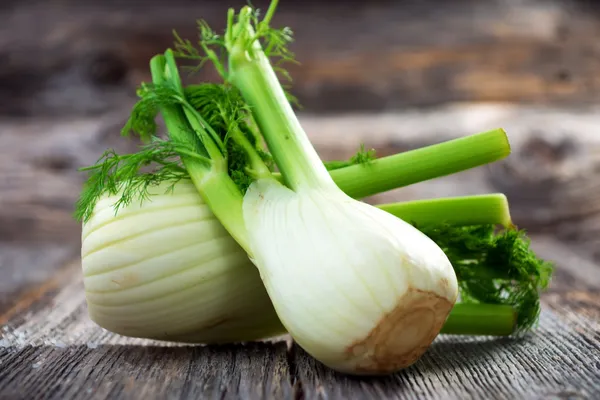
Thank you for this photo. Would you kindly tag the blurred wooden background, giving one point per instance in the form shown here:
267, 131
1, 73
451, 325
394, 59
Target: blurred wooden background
394, 75
85, 57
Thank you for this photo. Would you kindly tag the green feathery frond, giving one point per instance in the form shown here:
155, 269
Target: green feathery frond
131, 175
495, 267
361, 157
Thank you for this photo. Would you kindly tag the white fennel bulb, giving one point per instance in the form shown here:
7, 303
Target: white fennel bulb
168, 270
359, 289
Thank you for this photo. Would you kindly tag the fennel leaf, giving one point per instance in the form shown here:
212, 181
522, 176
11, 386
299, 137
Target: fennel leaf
221, 107
362, 156
495, 268
212, 47
125, 175
142, 120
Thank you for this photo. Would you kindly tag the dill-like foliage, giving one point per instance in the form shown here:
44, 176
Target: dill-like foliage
495, 267
223, 107
127, 176
362, 156
275, 41
213, 47
211, 44
142, 120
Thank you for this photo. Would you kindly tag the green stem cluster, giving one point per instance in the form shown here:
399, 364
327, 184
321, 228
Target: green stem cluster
251, 72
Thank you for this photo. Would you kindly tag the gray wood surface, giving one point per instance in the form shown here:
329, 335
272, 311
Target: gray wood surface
49, 349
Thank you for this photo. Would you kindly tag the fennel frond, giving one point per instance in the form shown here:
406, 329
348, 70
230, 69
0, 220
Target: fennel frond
495, 267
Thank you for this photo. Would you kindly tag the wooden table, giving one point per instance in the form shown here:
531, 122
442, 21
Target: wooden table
50, 349
443, 70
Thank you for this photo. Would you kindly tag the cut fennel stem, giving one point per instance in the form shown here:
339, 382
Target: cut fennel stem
168, 270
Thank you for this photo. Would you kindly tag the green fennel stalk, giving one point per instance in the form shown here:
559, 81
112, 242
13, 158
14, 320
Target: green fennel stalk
423, 164
486, 209
362, 175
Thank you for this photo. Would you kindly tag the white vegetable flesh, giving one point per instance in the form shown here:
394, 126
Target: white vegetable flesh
168, 270
359, 289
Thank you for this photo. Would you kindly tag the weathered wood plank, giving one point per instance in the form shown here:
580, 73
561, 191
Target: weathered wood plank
51, 350
253, 371
39, 180
574, 261
18, 263
87, 56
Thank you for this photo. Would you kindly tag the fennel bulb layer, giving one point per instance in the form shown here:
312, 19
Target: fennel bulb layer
359, 289
168, 270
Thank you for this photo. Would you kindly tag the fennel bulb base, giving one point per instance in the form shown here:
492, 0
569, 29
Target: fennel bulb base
402, 336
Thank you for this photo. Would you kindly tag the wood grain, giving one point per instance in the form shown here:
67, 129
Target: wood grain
86, 57
145, 372
39, 179
28, 274
51, 350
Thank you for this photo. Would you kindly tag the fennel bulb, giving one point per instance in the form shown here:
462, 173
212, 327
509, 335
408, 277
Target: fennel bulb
168, 270
359, 289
